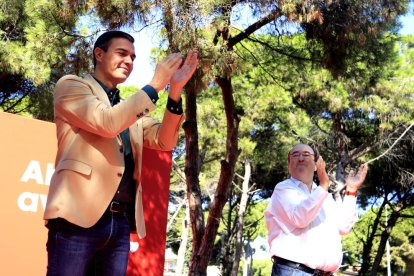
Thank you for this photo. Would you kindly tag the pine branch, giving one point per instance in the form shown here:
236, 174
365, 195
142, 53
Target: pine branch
389, 149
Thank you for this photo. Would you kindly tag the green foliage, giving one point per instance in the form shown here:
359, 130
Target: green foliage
254, 221
401, 248
262, 267
254, 225
35, 38
41, 103
401, 242
349, 31
32, 40
128, 90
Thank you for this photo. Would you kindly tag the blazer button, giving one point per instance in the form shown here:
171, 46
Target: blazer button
119, 174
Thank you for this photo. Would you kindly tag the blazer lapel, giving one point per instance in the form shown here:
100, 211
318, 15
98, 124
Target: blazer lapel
97, 89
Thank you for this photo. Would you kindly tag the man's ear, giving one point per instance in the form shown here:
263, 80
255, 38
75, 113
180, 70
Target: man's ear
98, 54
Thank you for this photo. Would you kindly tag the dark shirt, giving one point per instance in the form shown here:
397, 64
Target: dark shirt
127, 186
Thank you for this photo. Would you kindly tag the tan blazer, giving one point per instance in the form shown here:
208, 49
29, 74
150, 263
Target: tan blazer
89, 162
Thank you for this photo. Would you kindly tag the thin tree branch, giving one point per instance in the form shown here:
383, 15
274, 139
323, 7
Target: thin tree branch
252, 28
171, 220
395, 142
278, 50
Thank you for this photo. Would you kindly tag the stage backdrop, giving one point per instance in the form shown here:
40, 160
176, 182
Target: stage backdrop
27, 157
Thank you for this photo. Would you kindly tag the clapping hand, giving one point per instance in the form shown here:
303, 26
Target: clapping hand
170, 70
354, 181
183, 74
322, 174
165, 70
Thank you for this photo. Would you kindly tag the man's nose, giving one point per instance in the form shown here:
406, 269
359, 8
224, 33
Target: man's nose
301, 158
129, 60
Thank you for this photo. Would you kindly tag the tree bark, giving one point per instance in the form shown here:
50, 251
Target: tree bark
248, 253
227, 239
370, 241
384, 237
183, 244
201, 257
192, 172
240, 220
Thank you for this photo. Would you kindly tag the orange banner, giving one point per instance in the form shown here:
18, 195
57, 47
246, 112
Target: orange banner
26, 166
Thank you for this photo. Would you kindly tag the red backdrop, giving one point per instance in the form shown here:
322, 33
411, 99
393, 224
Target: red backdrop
148, 260
27, 157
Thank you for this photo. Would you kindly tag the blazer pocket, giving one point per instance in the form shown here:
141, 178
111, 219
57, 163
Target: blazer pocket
74, 165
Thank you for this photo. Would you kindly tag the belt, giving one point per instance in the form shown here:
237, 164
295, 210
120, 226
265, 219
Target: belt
117, 207
301, 267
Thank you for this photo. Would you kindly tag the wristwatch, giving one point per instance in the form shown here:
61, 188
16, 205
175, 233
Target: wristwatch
351, 193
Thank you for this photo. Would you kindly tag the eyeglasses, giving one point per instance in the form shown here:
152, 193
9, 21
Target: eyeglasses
305, 155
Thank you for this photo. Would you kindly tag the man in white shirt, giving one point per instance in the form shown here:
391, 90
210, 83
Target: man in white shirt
305, 223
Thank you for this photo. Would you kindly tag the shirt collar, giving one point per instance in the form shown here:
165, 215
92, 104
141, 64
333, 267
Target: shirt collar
301, 184
113, 94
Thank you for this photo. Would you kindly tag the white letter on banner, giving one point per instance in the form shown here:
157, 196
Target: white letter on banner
32, 207
32, 172
50, 169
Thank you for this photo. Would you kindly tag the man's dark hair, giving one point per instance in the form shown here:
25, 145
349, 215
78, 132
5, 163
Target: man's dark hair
105, 38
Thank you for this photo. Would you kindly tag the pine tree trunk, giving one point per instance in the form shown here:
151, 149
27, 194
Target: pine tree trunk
183, 244
366, 252
384, 237
248, 259
192, 173
226, 241
240, 220
202, 253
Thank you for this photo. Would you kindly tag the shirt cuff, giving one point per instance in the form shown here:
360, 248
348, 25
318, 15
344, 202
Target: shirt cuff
151, 92
174, 107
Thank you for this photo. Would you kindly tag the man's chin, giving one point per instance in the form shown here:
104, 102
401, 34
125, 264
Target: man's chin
121, 79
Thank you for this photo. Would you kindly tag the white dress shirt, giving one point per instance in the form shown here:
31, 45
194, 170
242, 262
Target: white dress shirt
306, 227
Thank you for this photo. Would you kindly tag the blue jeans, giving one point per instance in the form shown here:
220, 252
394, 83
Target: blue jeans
102, 249
283, 270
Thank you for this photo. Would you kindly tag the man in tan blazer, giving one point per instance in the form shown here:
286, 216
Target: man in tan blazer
96, 183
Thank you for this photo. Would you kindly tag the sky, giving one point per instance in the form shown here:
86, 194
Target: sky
143, 71
407, 24
146, 39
